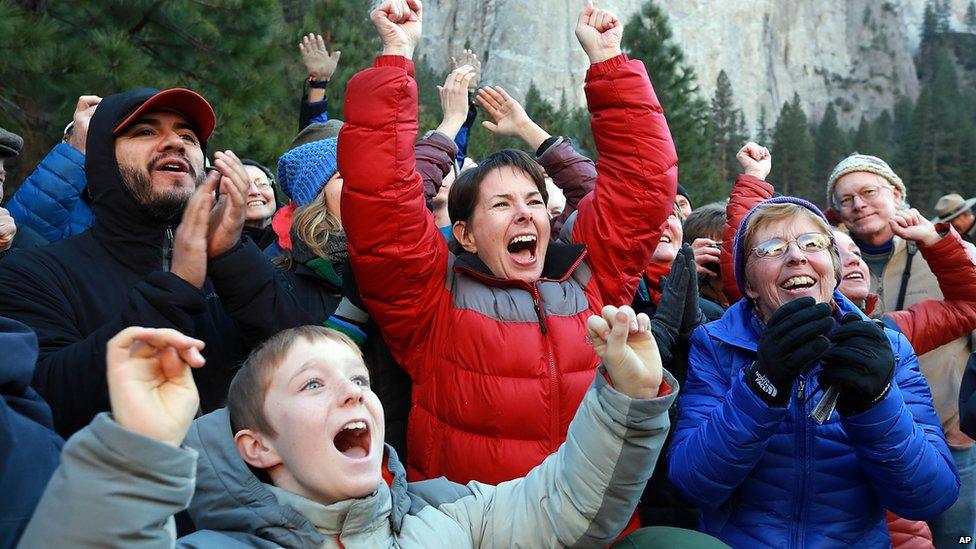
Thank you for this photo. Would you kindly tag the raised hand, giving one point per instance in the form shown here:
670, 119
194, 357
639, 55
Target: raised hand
79, 122
150, 384
190, 241
755, 160
319, 63
624, 343
468, 57
911, 225
227, 218
454, 99
399, 24
509, 117
599, 32
8, 228
508, 114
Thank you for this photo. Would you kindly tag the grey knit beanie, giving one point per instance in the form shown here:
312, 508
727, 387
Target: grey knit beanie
864, 163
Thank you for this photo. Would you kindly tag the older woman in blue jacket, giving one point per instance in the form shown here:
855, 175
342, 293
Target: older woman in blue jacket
746, 448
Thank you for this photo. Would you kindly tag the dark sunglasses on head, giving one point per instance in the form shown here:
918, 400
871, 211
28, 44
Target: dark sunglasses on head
807, 242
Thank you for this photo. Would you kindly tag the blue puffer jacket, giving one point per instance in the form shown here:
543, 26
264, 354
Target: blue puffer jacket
50, 199
771, 477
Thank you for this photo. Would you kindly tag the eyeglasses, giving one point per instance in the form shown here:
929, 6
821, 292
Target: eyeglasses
867, 194
809, 243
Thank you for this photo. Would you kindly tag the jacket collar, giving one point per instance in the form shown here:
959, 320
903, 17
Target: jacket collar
561, 260
230, 498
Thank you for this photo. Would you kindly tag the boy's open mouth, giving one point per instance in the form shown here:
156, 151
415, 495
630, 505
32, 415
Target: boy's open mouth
353, 440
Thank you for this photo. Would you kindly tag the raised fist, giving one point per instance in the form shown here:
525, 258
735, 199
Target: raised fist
399, 24
599, 32
755, 160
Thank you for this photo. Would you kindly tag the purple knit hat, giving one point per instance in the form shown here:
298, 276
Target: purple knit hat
738, 246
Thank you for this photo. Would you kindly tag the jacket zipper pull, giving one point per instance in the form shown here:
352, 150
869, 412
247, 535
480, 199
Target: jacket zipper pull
799, 390
167, 249
538, 309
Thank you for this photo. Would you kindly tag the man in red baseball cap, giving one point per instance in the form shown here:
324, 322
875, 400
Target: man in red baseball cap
162, 252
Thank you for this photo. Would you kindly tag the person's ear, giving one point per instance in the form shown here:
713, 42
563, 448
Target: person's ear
462, 234
896, 192
256, 450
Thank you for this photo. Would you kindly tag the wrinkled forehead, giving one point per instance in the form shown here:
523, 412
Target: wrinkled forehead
786, 228
854, 182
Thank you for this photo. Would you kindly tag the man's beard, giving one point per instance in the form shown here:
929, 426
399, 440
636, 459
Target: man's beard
163, 206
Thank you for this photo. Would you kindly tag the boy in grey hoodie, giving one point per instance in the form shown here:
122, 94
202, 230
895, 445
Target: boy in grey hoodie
302, 417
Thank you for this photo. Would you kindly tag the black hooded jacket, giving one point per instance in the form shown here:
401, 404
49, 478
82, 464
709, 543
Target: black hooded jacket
78, 293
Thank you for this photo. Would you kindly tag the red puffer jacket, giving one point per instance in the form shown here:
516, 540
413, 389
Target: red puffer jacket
499, 366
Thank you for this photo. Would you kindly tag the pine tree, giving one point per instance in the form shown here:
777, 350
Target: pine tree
230, 51
863, 139
943, 16
830, 145
970, 18
728, 129
647, 36
792, 152
762, 128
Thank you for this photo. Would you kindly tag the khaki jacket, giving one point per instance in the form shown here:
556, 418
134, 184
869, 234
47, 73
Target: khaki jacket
944, 366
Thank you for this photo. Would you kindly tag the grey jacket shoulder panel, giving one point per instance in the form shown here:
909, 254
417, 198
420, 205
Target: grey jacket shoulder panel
229, 498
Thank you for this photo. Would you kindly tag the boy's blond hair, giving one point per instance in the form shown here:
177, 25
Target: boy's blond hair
248, 389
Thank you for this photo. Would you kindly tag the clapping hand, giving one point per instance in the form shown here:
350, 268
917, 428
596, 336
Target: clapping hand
150, 383
624, 343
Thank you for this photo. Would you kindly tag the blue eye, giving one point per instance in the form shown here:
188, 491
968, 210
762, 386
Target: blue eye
312, 384
361, 381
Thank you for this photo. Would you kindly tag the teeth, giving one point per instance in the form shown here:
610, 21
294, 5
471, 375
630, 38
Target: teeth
665, 239
525, 238
256, 203
853, 276
797, 281
355, 425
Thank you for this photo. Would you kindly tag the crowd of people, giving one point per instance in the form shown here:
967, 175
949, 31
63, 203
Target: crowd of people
386, 342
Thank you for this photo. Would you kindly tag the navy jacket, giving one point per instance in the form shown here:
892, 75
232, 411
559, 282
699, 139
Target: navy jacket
29, 448
78, 293
771, 477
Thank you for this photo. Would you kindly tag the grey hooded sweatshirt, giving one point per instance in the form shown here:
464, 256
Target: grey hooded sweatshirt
118, 488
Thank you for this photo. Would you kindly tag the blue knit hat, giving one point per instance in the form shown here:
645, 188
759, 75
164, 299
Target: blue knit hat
303, 171
738, 247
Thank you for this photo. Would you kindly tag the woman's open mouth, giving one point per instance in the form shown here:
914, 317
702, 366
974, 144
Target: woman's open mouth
522, 248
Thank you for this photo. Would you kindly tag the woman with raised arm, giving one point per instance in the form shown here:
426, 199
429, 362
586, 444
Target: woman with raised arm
478, 329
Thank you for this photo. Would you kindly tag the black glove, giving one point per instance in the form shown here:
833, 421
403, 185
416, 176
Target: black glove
859, 364
667, 323
693, 316
794, 338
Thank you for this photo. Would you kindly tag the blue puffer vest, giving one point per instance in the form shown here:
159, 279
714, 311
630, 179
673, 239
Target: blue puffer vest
772, 477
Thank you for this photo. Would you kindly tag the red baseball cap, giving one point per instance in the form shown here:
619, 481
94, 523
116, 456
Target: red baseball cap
188, 103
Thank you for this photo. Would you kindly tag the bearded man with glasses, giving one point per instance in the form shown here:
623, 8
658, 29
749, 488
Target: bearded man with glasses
866, 192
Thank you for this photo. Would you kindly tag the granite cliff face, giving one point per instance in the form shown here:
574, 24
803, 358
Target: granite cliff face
857, 53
